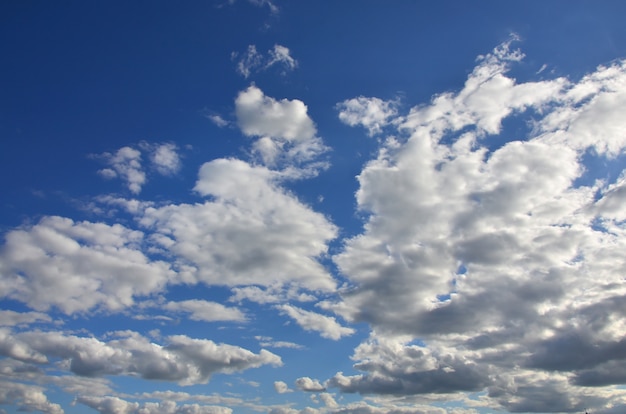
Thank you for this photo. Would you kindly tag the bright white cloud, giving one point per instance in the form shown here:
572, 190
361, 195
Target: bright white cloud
165, 159
252, 233
286, 134
496, 258
327, 326
261, 115
371, 113
125, 164
77, 266
202, 310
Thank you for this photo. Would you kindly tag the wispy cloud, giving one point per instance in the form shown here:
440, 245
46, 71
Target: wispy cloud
252, 61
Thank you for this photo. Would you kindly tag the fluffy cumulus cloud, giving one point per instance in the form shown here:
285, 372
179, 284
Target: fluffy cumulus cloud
496, 257
309, 384
27, 398
371, 113
180, 359
165, 158
125, 163
281, 387
251, 233
78, 266
285, 133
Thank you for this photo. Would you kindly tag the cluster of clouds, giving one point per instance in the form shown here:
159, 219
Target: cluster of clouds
182, 359
495, 256
488, 263
126, 163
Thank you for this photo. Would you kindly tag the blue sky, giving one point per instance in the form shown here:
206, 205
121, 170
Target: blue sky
261, 206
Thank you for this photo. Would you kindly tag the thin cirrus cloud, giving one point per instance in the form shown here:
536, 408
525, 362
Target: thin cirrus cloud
252, 61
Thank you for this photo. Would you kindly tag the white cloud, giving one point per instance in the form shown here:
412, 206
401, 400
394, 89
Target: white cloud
165, 158
217, 119
202, 310
281, 387
11, 318
327, 326
181, 359
261, 115
252, 61
126, 164
371, 113
252, 233
286, 134
27, 397
589, 114
309, 384
115, 405
77, 266
506, 268
281, 55
328, 400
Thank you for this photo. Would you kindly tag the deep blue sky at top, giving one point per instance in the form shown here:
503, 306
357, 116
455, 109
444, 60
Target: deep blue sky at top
81, 78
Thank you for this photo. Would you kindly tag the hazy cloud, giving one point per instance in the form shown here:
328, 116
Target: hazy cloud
327, 326
252, 61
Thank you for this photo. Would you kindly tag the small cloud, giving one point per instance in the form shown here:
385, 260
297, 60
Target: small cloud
248, 62
202, 310
309, 385
541, 69
165, 158
260, 3
217, 119
327, 326
280, 55
372, 113
281, 387
125, 163
252, 61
